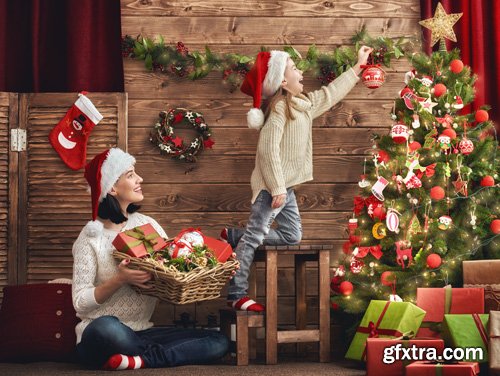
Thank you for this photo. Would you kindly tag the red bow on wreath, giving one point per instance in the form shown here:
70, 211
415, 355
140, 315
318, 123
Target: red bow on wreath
360, 203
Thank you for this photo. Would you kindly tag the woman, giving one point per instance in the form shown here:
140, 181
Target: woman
115, 331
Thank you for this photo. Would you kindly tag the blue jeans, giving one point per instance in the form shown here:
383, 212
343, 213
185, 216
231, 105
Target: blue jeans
158, 347
259, 231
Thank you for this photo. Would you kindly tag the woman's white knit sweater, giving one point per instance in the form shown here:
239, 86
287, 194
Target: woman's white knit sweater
94, 264
284, 150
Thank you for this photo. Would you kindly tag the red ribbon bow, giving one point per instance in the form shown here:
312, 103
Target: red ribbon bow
429, 171
375, 250
360, 203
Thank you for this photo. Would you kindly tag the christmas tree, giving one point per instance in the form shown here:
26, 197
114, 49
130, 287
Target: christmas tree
429, 195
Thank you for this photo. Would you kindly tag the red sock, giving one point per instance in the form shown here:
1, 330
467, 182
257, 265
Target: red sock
69, 137
119, 362
247, 304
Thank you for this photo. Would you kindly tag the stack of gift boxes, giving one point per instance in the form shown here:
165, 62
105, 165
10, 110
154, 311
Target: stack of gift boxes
392, 335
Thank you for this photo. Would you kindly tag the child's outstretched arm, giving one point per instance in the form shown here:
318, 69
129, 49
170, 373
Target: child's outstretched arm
326, 97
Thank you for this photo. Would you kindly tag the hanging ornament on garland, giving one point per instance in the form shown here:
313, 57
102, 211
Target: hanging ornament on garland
416, 121
409, 97
438, 90
363, 183
459, 103
487, 181
460, 186
373, 76
399, 133
437, 193
445, 222
414, 226
444, 143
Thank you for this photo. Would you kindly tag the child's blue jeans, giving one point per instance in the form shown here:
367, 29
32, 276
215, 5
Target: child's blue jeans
259, 231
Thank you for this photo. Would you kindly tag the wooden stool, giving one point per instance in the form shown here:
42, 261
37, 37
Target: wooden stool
243, 320
302, 253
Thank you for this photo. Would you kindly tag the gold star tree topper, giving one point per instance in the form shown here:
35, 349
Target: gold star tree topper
441, 25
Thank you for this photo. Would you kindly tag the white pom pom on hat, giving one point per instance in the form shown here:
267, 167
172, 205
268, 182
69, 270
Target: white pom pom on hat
263, 80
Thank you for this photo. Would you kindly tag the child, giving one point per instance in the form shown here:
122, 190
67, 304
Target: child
284, 156
115, 332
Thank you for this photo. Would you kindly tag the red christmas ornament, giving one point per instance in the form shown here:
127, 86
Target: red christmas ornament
379, 212
414, 146
335, 306
456, 66
383, 156
433, 261
466, 146
487, 181
373, 76
450, 133
346, 288
387, 278
437, 193
335, 284
481, 116
399, 133
439, 89
495, 226
356, 265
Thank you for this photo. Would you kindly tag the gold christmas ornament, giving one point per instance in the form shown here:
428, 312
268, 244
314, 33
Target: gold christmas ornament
441, 25
379, 231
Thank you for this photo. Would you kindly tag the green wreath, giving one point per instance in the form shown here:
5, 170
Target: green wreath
163, 135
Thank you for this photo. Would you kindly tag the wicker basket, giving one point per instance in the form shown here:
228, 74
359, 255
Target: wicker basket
178, 287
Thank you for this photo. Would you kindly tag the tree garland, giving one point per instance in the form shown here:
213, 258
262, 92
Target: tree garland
179, 61
163, 135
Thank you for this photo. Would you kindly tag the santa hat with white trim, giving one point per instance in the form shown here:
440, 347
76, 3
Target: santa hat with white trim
262, 81
102, 173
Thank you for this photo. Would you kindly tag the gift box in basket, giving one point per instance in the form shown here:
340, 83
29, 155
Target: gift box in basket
139, 241
384, 319
437, 302
188, 269
485, 274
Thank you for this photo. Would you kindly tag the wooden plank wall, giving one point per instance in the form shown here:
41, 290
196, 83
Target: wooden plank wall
5, 255
215, 192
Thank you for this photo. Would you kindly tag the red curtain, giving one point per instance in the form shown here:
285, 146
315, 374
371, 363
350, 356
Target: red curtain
478, 38
60, 46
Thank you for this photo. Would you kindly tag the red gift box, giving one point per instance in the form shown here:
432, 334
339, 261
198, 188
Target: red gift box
139, 241
378, 351
222, 250
422, 368
437, 302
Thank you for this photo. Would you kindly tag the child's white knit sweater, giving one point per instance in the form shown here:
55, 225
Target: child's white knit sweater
284, 151
93, 265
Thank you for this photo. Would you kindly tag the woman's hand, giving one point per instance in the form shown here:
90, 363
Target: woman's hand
278, 201
363, 54
137, 278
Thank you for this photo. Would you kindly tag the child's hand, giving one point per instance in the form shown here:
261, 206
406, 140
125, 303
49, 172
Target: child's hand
363, 54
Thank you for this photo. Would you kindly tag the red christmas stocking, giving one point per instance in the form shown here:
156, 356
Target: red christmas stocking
69, 137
